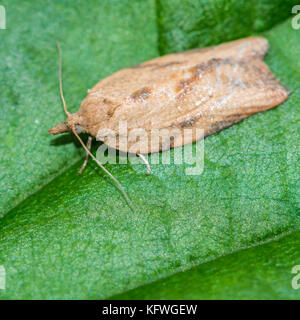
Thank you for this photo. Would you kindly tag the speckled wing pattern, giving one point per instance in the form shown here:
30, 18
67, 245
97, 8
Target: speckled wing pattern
210, 89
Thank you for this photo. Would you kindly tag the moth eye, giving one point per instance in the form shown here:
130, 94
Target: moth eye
78, 128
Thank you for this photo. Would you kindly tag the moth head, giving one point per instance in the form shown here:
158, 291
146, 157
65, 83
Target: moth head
61, 127
66, 126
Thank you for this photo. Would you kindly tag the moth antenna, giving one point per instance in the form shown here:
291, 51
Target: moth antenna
143, 158
103, 168
60, 78
78, 137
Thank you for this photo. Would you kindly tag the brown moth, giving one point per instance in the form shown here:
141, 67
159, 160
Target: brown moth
210, 88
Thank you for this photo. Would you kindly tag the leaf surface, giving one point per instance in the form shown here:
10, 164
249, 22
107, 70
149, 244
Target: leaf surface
68, 236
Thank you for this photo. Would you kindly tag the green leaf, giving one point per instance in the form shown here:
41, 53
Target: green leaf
69, 236
262, 272
97, 40
185, 24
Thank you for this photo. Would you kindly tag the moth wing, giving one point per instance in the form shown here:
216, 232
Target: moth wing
208, 89
223, 93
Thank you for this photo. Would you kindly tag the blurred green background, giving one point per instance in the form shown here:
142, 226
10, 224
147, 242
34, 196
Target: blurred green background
64, 236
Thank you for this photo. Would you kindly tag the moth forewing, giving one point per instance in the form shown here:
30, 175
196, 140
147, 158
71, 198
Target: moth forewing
210, 89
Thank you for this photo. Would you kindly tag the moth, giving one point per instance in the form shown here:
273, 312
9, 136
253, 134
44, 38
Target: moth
210, 88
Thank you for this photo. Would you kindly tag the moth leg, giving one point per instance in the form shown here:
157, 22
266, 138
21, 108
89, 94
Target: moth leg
88, 145
143, 158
